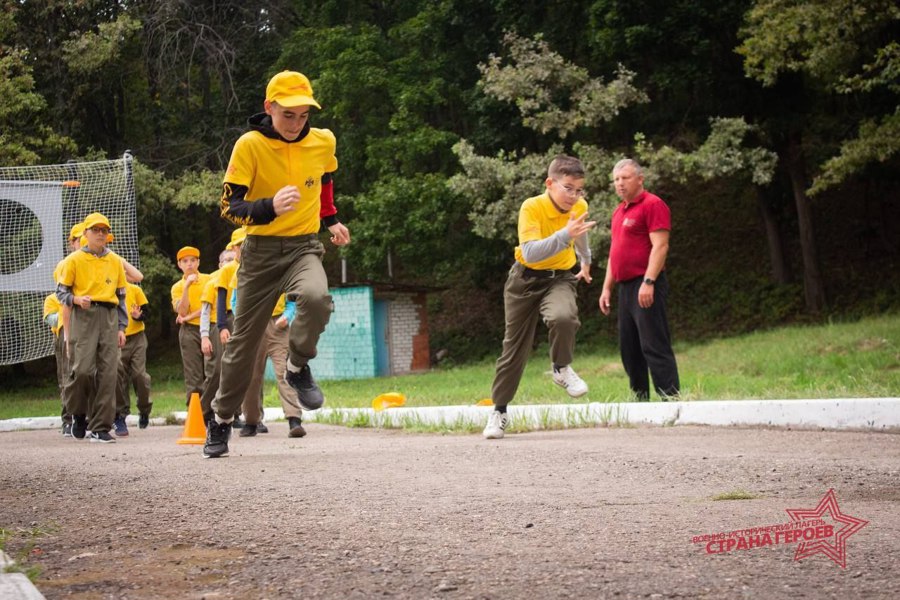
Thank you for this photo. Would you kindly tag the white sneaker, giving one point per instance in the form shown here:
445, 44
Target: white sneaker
497, 422
567, 378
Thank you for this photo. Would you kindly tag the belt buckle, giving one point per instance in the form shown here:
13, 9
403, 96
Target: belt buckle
552, 273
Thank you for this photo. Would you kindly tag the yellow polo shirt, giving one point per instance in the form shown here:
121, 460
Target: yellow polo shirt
51, 306
194, 294
210, 292
539, 219
90, 275
134, 298
266, 165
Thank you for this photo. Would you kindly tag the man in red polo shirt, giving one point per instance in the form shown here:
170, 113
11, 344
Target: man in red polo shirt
637, 259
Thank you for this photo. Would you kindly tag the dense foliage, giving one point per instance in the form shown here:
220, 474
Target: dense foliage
770, 126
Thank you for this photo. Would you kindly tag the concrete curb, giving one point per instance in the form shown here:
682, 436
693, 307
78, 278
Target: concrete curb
15, 586
874, 414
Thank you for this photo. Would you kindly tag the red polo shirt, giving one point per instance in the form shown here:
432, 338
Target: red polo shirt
632, 223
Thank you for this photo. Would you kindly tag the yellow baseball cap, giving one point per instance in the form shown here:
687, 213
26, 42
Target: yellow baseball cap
77, 231
290, 89
94, 219
237, 237
188, 251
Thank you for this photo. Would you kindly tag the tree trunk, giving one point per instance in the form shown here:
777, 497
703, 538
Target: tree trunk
813, 287
781, 268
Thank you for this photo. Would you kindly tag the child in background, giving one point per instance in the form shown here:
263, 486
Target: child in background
133, 363
91, 283
186, 293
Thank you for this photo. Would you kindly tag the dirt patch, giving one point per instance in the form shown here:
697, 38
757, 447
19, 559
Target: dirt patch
361, 513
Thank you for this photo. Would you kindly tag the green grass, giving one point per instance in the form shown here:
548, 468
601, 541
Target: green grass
736, 495
836, 360
20, 544
411, 422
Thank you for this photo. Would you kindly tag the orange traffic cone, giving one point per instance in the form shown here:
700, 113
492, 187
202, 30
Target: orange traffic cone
194, 427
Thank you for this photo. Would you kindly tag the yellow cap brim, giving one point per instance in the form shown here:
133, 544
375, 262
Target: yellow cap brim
295, 101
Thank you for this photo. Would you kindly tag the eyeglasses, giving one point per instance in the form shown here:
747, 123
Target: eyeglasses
99, 229
570, 190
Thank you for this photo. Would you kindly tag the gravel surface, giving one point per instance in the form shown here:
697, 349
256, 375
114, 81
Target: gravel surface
347, 513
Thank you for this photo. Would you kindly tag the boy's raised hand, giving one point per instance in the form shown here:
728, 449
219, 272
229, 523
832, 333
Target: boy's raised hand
579, 225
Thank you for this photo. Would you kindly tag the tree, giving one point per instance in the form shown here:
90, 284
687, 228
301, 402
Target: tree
849, 48
816, 48
556, 96
25, 138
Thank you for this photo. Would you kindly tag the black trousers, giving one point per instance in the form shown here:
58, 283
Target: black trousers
644, 340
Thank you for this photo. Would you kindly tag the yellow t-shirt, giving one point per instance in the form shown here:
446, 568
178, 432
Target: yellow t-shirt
227, 279
266, 165
539, 219
210, 293
90, 275
194, 294
134, 297
51, 306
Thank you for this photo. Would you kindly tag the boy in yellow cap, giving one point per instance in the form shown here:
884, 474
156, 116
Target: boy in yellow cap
91, 283
133, 363
54, 316
279, 185
186, 299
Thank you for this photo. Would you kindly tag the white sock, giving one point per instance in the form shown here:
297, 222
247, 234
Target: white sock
222, 421
291, 367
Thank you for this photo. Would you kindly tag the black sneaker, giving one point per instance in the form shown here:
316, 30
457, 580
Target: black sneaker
143, 421
67, 429
217, 436
261, 428
79, 426
308, 393
295, 428
121, 427
102, 437
248, 430
237, 423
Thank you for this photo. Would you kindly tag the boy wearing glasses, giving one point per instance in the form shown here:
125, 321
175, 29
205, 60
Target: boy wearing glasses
541, 284
91, 283
279, 185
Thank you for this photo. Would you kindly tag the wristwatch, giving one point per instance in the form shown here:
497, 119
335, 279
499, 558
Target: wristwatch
649, 281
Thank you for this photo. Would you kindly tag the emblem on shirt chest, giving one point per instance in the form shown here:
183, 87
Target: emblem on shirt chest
108, 281
628, 223
310, 182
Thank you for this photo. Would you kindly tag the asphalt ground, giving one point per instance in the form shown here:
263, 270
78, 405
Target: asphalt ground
359, 513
